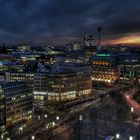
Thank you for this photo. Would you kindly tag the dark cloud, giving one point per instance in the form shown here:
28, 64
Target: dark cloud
30, 20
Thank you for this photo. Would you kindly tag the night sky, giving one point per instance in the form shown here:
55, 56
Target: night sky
59, 21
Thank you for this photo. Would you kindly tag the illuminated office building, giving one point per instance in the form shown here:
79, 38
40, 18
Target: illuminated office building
104, 68
83, 76
73, 46
89, 48
54, 87
10, 66
16, 100
40, 88
23, 48
27, 77
62, 85
128, 67
2, 111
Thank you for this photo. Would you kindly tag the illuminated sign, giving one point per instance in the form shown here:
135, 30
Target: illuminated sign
103, 55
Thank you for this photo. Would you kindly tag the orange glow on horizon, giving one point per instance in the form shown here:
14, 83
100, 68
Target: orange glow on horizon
132, 39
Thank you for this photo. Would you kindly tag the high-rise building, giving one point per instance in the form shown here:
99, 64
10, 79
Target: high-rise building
16, 103
89, 40
89, 48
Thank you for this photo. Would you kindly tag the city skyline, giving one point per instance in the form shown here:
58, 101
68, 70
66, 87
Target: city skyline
62, 21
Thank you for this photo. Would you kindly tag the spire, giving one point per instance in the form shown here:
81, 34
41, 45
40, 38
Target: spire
99, 34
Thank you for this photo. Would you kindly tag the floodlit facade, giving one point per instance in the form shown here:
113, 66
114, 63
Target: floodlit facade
104, 68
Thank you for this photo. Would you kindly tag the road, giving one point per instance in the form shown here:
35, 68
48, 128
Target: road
128, 95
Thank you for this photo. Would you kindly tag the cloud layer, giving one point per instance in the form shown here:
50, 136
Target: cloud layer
48, 20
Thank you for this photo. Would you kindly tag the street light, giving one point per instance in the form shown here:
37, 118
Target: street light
53, 123
117, 136
45, 116
2, 136
57, 118
33, 137
47, 127
132, 109
80, 117
20, 128
131, 138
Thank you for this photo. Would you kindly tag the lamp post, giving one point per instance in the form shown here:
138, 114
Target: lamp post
79, 126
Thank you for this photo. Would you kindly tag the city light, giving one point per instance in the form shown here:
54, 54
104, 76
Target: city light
63, 75
80, 117
57, 118
131, 138
45, 115
117, 136
2, 136
32, 137
132, 109
53, 123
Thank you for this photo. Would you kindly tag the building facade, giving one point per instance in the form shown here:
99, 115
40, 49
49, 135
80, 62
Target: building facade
128, 67
27, 77
104, 68
17, 99
62, 85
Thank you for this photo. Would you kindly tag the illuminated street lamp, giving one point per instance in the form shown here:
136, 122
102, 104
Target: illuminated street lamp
57, 118
53, 123
2, 136
45, 116
117, 136
33, 138
80, 117
131, 138
20, 128
132, 109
